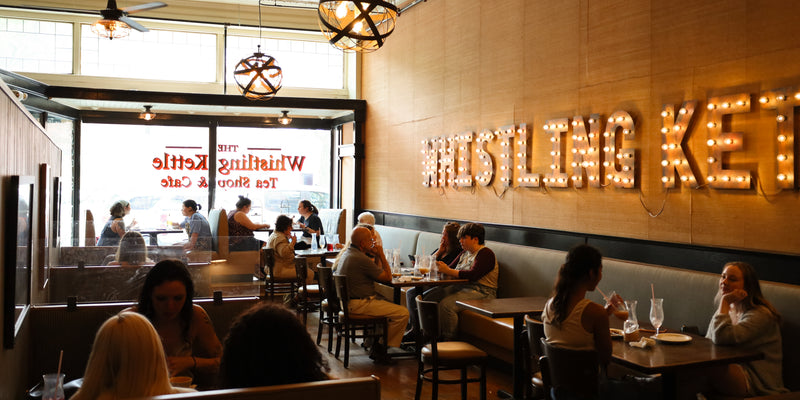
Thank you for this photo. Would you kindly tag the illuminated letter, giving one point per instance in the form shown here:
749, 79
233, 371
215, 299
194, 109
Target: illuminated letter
464, 154
619, 165
485, 170
586, 151
447, 161
506, 135
719, 142
556, 128
524, 177
429, 163
673, 136
783, 100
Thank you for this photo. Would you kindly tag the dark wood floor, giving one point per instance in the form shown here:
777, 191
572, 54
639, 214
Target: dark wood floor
398, 381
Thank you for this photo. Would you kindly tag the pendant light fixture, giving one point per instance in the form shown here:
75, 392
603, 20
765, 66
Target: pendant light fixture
259, 77
285, 119
147, 115
361, 25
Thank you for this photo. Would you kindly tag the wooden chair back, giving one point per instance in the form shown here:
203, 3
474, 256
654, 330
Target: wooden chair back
571, 373
89, 235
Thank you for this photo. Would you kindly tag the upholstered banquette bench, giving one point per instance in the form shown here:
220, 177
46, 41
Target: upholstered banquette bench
366, 388
58, 327
531, 271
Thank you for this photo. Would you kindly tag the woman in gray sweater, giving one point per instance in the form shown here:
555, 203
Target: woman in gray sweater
745, 318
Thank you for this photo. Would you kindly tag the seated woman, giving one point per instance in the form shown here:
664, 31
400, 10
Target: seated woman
132, 251
268, 345
114, 228
196, 226
477, 264
189, 340
282, 241
575, 322
745, 318
127, 361
240, 228
309, 222
449, 249
368, 218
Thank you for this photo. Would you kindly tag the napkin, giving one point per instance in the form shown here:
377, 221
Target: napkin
643, 343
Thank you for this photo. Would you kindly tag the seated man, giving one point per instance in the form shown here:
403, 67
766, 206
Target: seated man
362, 272
368, 218
477, 264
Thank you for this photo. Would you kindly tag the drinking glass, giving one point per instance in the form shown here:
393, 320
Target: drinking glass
322, 241
53, 387
657, 313
619, 308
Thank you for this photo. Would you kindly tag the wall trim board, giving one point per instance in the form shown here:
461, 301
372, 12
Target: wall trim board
775, 267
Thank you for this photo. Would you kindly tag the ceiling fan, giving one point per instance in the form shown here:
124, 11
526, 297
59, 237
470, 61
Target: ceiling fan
116, 23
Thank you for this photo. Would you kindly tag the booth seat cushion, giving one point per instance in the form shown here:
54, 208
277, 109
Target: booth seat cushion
399, 238
334, 221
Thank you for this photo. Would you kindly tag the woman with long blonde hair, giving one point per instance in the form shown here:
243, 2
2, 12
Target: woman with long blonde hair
127, 361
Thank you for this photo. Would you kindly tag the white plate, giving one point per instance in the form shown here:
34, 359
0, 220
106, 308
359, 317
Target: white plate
672, 338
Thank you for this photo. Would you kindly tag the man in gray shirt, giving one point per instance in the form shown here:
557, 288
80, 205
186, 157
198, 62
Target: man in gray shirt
362, 272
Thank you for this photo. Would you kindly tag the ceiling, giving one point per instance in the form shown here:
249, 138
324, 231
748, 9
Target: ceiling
288, 13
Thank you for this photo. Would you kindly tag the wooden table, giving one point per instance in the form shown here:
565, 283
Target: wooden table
668, 359
516, 307
153, 234
321, 253
398, 284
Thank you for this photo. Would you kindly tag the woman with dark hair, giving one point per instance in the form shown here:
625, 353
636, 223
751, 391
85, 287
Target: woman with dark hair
268, 345
745, 318
309, 222
196, 226
114, 228
282, 241
570, 319
240, 228
132, 251
189, 340
449, 249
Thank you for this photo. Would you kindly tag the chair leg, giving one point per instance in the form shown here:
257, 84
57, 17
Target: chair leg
320, 326
347, 347
483, 382
338, 341
330, 333
435, 383
420, 374
464, 383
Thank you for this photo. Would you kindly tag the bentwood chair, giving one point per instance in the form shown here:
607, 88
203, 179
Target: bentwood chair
307, 295
329, 305
445, 355
569, 374
275, 285
352, 325
534, 333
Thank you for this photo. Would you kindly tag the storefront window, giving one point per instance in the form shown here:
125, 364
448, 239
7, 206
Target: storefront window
275, 168
158, 54
154, 168
35, 46
305, 63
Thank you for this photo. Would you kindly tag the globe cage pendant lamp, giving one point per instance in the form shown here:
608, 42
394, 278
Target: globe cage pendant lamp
259, 77
357, 25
